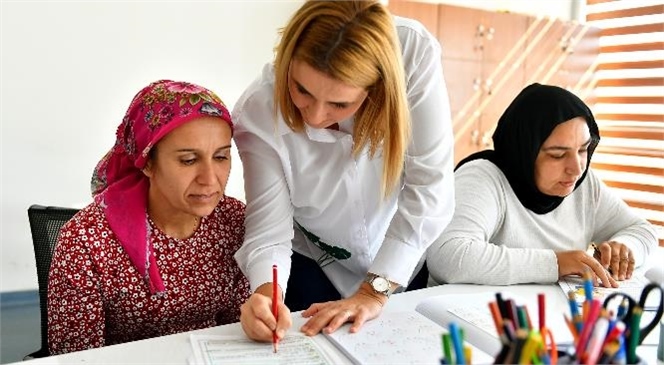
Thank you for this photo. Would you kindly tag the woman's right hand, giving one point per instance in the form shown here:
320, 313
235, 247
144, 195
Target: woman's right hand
257, 319
578, 262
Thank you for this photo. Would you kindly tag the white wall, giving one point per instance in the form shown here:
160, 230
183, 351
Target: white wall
69, 71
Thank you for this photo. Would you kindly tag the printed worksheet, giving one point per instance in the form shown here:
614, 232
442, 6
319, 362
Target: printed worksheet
294, 349
397, 338
631, 287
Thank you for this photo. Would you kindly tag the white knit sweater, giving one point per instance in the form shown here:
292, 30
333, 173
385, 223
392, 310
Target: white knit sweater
494, 240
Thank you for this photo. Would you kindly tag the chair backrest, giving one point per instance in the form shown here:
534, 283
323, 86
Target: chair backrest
45, 224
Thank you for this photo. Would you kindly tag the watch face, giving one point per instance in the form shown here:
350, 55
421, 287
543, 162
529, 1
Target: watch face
380, 284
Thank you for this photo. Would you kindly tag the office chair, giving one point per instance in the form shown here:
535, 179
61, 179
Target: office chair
45, 224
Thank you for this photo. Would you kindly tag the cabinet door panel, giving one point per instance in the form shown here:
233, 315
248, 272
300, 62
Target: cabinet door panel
499, 88
549, 36
457, 32
425, 13
463, 83
502, 34
462, 80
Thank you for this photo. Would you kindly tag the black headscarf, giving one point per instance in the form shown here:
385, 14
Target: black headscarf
522, 129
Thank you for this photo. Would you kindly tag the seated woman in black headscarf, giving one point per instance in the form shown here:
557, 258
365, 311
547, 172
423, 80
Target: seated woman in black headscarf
527, 210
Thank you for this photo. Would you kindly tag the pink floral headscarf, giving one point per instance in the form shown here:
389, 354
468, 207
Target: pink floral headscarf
119, 185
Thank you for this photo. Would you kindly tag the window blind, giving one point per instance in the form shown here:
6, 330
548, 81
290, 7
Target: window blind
629, 102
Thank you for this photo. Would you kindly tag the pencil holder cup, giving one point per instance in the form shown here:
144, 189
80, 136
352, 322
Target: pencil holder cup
571, 360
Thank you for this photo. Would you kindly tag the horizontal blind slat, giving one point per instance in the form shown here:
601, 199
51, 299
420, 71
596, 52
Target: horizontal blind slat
626, 168
649, 81
635, 186
630, 99
616, 150
630, 64
632, 133
652, 46
592, 2
626, 13
637, 117
632, 29
644, 205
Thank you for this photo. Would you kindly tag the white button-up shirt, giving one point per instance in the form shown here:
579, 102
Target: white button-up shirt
312, 179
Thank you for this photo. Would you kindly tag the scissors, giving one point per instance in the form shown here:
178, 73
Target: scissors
632, 303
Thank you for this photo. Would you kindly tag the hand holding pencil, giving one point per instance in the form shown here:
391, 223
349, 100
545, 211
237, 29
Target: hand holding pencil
257, 315
616, 258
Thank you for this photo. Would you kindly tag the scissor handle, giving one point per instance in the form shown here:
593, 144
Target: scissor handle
630, 307
660, 309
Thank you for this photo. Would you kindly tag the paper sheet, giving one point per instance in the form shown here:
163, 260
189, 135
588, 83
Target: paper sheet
631, 287
397, 338
293, 349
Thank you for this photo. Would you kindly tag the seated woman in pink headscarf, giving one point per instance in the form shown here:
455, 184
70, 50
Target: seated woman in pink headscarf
152, 255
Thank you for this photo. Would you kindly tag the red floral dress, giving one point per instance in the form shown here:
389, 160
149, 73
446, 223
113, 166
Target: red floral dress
96, 297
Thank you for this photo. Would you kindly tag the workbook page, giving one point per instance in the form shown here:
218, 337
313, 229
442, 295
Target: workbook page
294, 349
632, 287
397, 338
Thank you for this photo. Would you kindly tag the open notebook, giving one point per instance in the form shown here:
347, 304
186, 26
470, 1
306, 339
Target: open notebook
398, 338
295, 349
392, 338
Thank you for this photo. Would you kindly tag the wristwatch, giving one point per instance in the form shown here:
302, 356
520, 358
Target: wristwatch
380, 284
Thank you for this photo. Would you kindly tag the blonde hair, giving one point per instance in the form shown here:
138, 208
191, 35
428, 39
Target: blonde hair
356, 43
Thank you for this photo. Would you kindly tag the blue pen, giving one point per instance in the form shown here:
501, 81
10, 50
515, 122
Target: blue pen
456, 342
622, 308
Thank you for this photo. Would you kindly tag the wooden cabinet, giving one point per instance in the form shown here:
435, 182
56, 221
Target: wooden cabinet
489, 57
425, 13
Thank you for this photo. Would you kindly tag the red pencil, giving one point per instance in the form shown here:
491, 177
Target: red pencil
541, 309
275, 307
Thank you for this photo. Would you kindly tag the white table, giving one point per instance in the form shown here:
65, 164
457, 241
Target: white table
176, 349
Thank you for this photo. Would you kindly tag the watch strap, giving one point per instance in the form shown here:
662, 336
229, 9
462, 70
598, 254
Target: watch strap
370, 280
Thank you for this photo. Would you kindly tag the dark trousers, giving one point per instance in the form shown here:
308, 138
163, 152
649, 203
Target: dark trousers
308, 284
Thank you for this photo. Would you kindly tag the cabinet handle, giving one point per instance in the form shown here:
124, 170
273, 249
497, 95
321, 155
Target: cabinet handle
490, 32
484, 32
480, 31
488, 86
475, 137
477, 82
486, 140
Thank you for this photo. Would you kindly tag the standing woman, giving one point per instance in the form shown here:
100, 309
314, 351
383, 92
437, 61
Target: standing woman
347, 152
152, 255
